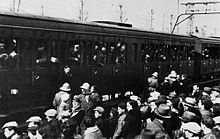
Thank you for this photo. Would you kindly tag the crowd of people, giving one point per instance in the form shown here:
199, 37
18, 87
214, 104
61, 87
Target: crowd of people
167, 110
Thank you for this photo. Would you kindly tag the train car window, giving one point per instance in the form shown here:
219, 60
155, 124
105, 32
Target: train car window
74, 55
54, 49
190, 53
100, 54
134, 53
41, 54
9, 53
26, 53
121, 53
87, 56
112, 53
63, 52
146, 53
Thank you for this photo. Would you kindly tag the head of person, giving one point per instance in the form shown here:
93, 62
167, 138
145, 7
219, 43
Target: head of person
121, 108
36, 120
89, 122
99, 112
208, 122
50, 114
64, 116
205, 103
113, 112
66, 69
191, 129
93, 89
85, 88
10, 128
76, 103
162, 112
216, 109
132, 105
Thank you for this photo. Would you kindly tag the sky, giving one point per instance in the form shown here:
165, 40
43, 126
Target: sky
137, 12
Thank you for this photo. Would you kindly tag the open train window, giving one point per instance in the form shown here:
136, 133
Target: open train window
74, 54
146, 53
26, 53
41, 54
9, 53
87, 53
112, 52
134, 52
54, 52
121, 53
100, 53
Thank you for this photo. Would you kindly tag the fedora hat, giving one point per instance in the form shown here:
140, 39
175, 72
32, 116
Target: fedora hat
190, 102
65, 87
85, 86
188, 117
163, 111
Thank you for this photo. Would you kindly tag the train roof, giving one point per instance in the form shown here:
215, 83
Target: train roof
98, 24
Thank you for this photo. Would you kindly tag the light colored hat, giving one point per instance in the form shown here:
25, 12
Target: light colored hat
34, 119
155, 74
65, 87
135, 98
163, 111
216, 100
32, 126
85, 86
190, 102
217, 120
10, 124
193, 127
99, 109
51, 113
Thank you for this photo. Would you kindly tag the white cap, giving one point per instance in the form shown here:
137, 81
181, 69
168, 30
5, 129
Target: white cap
10, 124
34, 119
192, 126
51, 112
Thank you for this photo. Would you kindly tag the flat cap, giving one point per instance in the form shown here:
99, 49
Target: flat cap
10, 124
51, 112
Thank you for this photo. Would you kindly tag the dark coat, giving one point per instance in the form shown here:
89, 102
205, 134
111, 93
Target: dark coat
132, 125
103, 126
77, 117
112, 122
51, 130
157, 128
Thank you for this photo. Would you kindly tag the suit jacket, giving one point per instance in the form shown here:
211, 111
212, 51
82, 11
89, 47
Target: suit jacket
157, 127
87, 106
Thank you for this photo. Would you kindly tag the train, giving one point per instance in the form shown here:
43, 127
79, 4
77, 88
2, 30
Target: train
115, 57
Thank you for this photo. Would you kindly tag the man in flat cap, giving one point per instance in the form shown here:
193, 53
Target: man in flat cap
10, 130
52, 128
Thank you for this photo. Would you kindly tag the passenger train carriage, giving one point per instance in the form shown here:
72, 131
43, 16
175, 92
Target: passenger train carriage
114, 56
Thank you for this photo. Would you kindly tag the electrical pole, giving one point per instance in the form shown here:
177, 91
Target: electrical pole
151, 19
83, 16
171, 22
